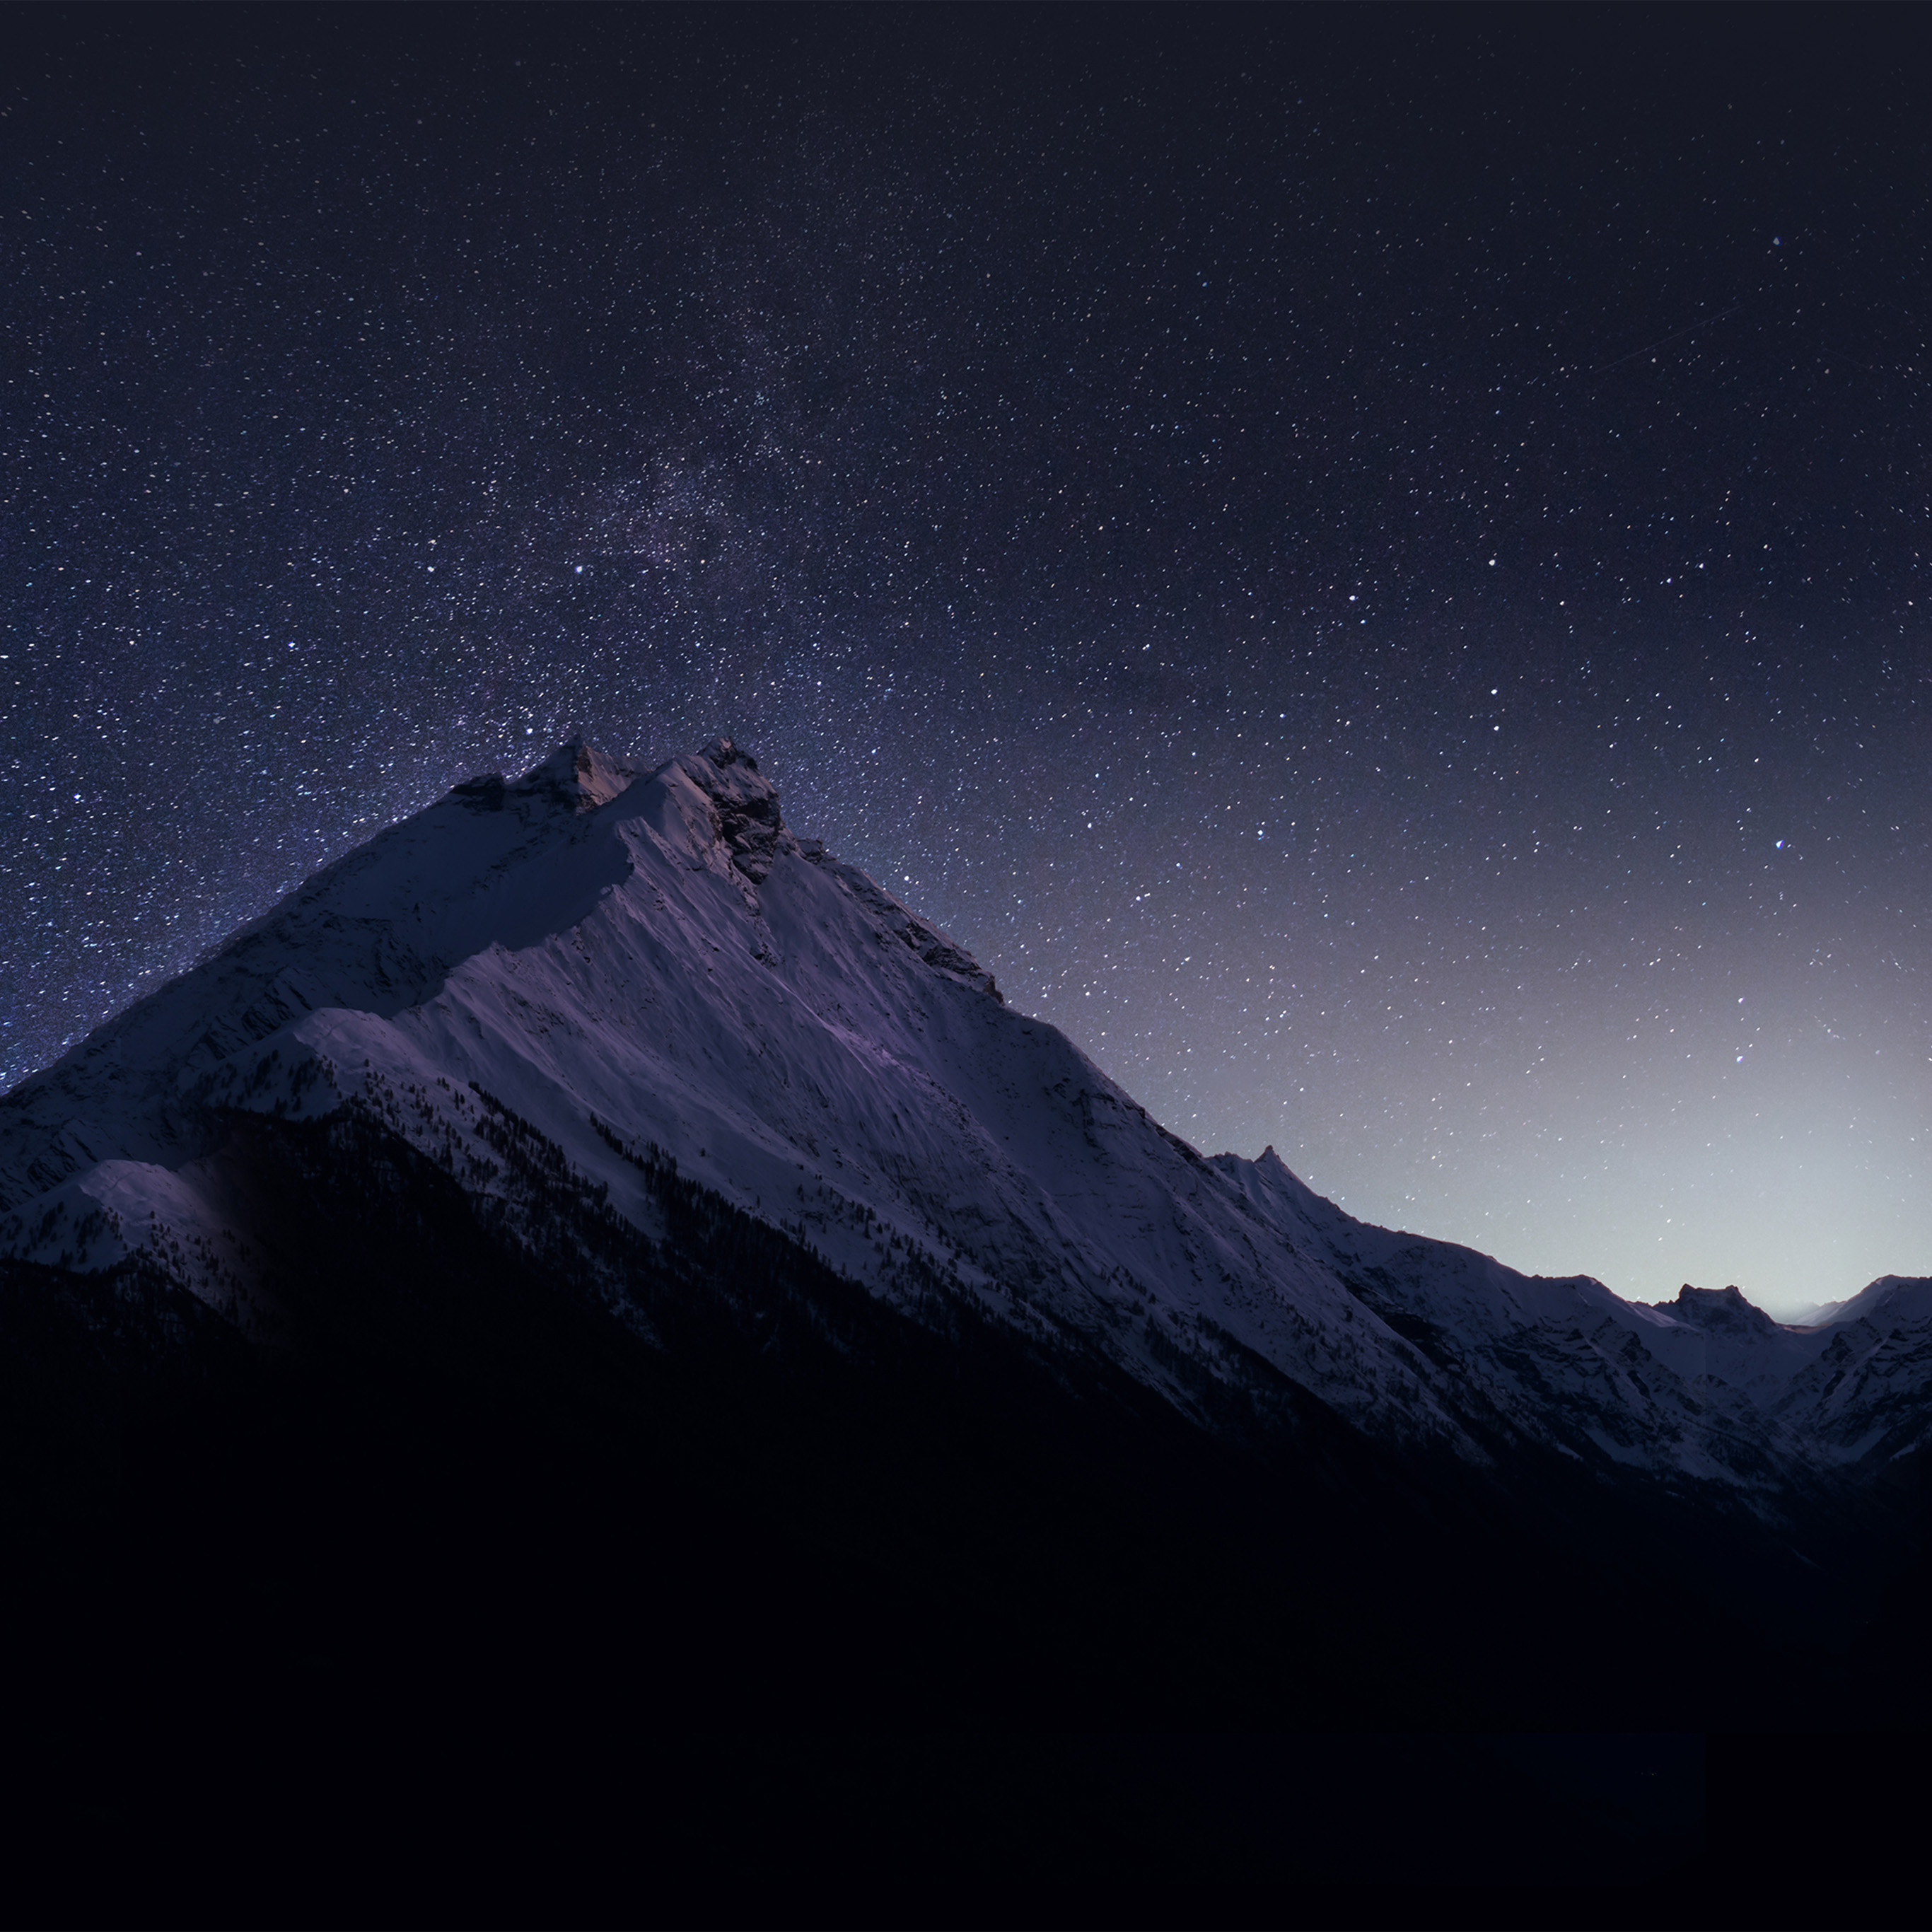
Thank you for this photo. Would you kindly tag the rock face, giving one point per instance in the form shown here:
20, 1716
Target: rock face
583, 980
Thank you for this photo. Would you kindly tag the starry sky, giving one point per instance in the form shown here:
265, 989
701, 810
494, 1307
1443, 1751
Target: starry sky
1371, 564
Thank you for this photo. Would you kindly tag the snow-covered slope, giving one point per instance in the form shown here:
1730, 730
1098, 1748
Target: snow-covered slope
651, 970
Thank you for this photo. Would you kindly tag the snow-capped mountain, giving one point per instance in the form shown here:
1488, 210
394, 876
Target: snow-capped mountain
587, 980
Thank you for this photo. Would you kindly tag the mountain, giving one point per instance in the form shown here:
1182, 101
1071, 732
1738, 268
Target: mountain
581, 1110
658, 971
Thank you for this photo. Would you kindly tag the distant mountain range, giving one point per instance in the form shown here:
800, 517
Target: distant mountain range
593, 1154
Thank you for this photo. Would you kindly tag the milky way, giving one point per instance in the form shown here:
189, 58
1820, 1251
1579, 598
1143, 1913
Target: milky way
1371, 566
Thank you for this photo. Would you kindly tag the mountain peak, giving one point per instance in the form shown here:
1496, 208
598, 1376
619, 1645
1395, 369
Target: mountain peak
743, 803
1725, 1310
579, 775
721, 751
576, 776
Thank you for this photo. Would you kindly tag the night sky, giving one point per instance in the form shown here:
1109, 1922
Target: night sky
1372, 565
